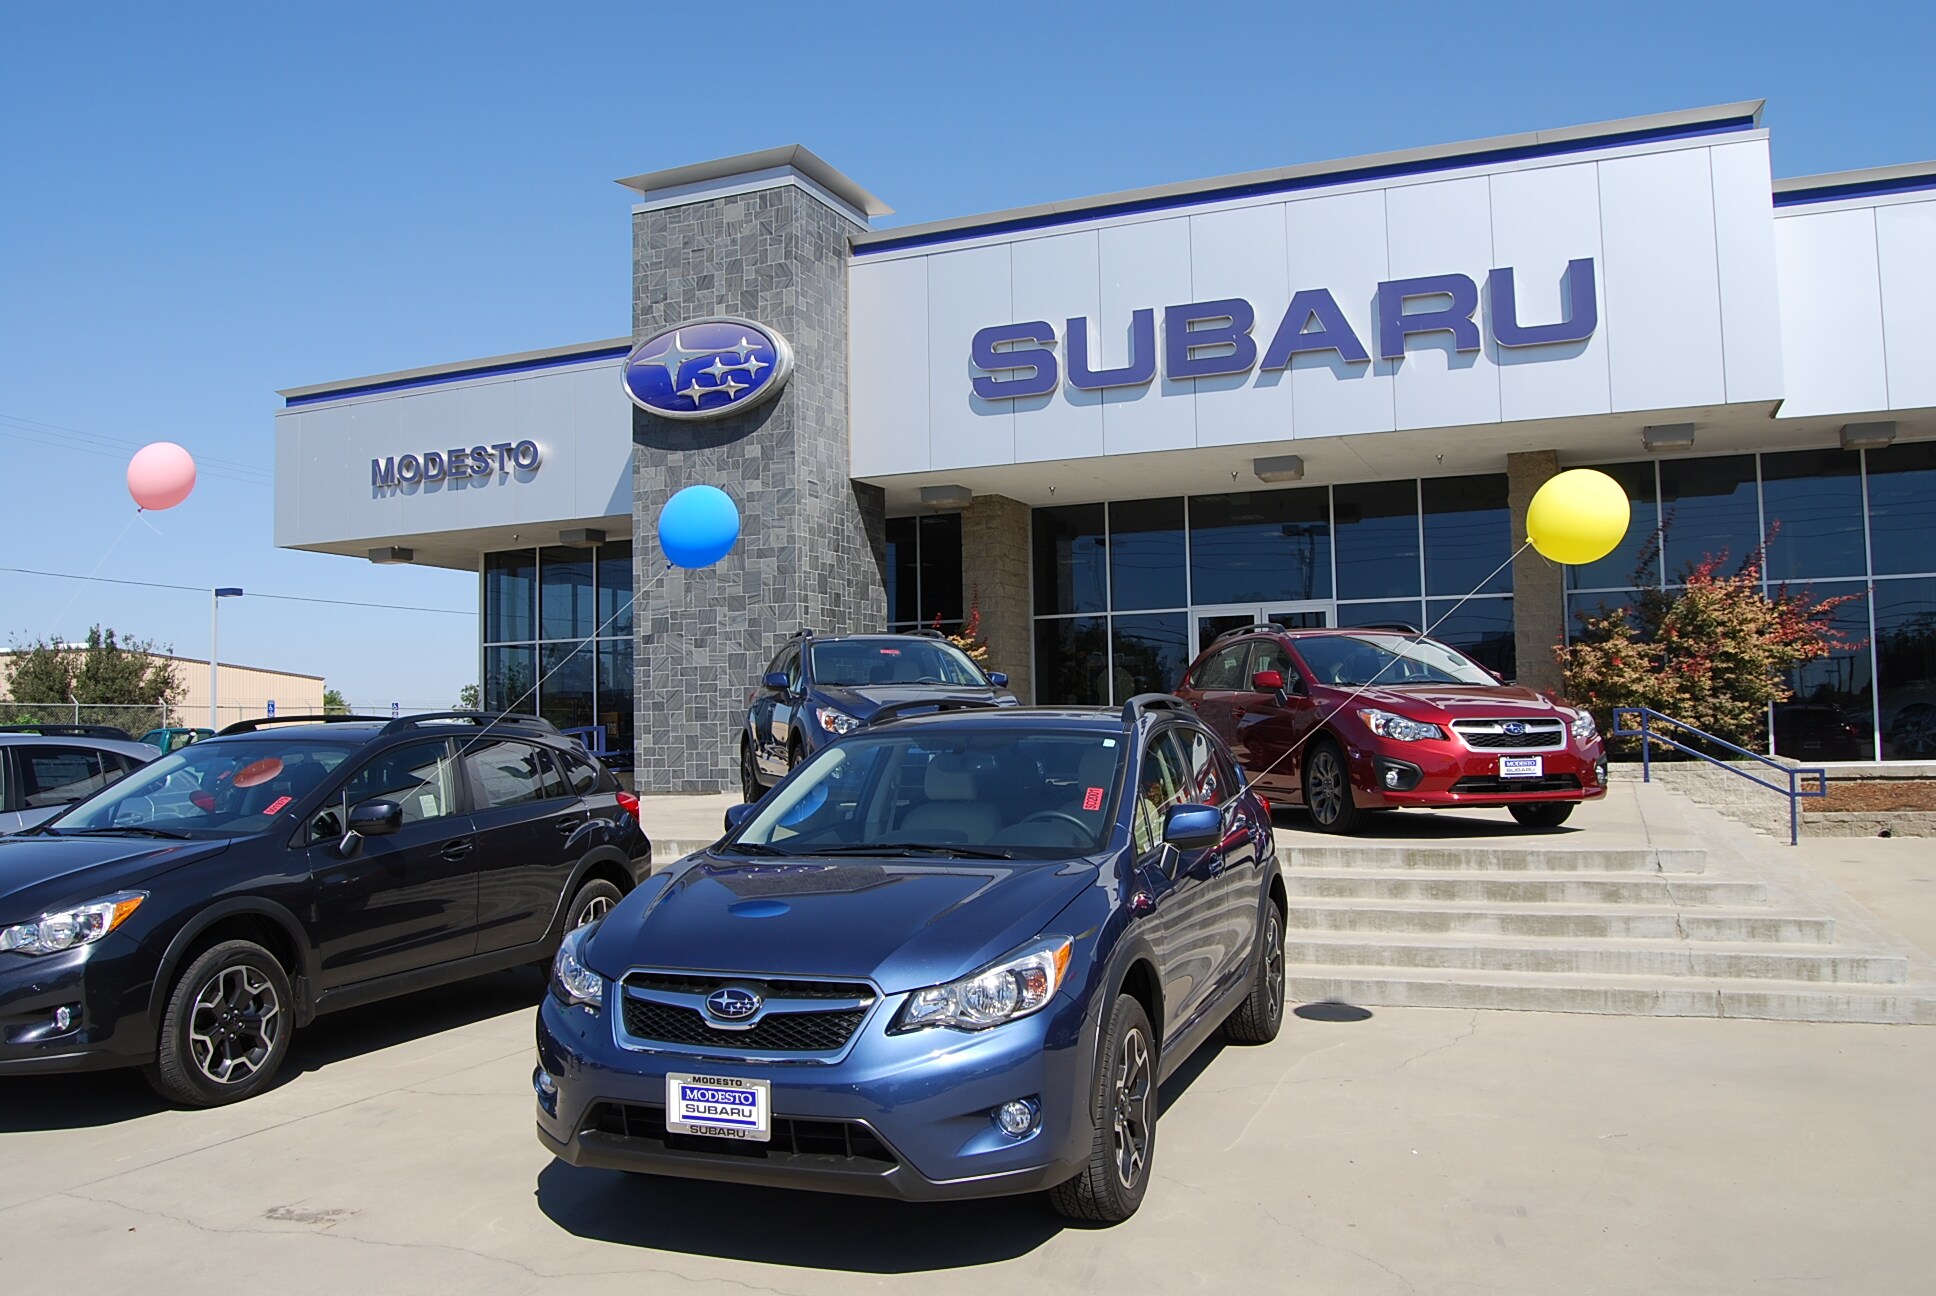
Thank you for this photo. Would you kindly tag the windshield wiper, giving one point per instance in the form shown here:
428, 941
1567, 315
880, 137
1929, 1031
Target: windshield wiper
916, 848
757, 848
122, 830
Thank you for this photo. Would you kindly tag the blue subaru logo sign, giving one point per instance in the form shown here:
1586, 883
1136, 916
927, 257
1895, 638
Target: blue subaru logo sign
705, 368
733, 1003
1514, 727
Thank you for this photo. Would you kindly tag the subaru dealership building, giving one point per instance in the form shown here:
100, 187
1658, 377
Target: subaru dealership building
1115, 426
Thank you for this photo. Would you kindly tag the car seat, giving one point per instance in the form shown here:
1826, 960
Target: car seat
953, 811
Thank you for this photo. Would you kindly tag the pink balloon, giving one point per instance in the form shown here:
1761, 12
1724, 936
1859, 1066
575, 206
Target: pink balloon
160, 475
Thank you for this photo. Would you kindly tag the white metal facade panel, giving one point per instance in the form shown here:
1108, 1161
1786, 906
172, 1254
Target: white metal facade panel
1143, 266
1744, 225
1241, 253
966, 292
1337, 242
1441, 228
1906, 252
1542, 219
1831, 313
887, 322
1055, 279
1662, 313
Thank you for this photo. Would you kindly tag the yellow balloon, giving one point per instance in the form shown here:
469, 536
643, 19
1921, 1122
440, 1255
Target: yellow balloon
1578, 517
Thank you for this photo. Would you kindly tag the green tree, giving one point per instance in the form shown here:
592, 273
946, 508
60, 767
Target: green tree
333, 703
467, 698
106, 671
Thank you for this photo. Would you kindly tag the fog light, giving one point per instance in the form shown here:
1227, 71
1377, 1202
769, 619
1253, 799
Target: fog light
1017, 1118
1398, 775
64, 1017
1391, 776
1600, 772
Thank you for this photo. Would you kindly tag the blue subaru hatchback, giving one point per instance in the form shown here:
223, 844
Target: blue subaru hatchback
951, 956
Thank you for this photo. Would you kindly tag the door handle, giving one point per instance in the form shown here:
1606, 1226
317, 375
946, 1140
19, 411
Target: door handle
458, 849
566, 827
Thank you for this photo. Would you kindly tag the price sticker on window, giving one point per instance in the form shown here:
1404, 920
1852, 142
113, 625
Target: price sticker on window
1092, 799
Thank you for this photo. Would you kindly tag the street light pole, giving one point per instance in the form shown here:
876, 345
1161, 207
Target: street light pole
214, 628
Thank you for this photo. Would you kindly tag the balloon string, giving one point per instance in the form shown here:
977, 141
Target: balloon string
90, 576
1250, 779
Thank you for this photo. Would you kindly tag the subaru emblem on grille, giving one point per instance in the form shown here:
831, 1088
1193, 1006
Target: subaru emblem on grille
733, 1003
1514, 727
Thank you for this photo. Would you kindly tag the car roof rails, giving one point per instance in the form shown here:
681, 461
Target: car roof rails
803, 633
1143, 703
1395, 627
482, 719
1252, 628
922, 633
70, 731
931, 706
266, 722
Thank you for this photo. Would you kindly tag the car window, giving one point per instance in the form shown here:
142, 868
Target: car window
52, 776
910, 660
505, 773
1206, 780
581, 776
418, 776
1269, 655
1225, 669
1347, 660
1163, 781
791, 665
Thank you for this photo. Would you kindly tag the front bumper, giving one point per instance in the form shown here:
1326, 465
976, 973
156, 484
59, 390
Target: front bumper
1447, 774
903, 1116
104, 988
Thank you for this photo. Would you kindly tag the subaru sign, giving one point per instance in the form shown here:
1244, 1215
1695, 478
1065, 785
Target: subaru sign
1209, 338
706, 368
733, 1003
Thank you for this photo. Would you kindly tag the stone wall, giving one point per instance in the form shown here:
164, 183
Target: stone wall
812, 542
1539, 583
995, 567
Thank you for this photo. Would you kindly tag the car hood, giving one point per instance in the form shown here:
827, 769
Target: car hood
41, 872
905, 923
862, 700
1460, 701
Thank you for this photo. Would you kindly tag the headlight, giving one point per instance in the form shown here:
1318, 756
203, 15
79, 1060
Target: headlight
571, 981
1584, 730
66, 929
1387, 725
836, 722
1001, 992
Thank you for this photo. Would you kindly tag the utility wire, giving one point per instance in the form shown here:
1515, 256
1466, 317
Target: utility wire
43, 427
203, 589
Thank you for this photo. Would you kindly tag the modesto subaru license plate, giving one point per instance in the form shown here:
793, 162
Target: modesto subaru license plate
720, 1106
1521, 766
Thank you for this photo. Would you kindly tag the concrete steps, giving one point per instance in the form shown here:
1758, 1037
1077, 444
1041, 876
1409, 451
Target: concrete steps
1574, 927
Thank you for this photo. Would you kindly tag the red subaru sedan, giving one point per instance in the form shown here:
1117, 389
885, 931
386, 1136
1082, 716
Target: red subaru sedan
1344, 722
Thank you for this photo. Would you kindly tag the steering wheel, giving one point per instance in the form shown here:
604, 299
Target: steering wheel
127, 812
1062, 816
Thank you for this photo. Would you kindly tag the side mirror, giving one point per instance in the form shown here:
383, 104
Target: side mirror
1267, 681
1192, 827
775, 680
1495, 674
998, 679
376, 818
739, 814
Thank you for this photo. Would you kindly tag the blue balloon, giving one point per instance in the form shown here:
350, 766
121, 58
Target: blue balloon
698, 526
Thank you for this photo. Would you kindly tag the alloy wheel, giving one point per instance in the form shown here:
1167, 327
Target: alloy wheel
1326, 793
1134, 1089
591, 911
1274, 964
234, 1025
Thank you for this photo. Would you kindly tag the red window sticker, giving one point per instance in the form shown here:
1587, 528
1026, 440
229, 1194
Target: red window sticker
203, 800
890, 652
1092, 799
277, 804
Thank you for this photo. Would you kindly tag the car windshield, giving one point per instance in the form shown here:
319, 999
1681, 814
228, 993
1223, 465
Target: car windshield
1388, 660
846, 662
221, 789
1012, 793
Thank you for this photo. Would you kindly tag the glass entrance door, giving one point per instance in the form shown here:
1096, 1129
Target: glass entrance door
1207, 623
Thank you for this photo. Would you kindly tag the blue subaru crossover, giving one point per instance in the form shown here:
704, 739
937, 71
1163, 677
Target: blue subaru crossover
952, 955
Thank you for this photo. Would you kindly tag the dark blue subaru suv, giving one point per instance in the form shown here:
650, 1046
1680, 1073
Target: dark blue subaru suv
952, 955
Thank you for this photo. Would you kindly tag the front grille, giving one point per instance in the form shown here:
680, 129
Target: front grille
1491, 784
848, 1141
779, 1032
690, 984
1491, 735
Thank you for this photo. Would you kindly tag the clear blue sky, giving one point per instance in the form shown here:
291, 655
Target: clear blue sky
200, 204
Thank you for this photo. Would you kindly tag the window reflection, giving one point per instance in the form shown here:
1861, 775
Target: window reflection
1150, 650
1377, 536
1905, 628
1072, 661
1902, 508
565, 593
1260, 546
1708, 510
1146, 554
1830, 718
1468, 535
1636, 559
1069, 575
1481, 628
1812, 500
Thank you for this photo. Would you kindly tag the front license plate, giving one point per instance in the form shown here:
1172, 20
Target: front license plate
720, 1107
1521, 766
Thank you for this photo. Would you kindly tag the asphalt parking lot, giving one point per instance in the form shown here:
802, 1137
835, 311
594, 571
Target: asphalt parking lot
1396, 1150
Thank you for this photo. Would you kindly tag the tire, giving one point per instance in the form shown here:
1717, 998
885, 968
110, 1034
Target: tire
1327, 790
226, 1029
591, 902
1262, 1011
1542, 814
794, 755
750, 789
1124, 1103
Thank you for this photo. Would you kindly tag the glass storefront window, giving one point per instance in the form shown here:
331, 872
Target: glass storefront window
1902, 508
1481, 628
1708, 510
1151, 650
1146, 554
1069, 573
565, 696
1830, 718
510, 595
1389, 612
1623, 567
903, 573
1260, 546
1468, 535
1377, 538
615, 589
1812, 500
1072, 661
615, 692
1905, 651
565, 593
510, 674
941, 568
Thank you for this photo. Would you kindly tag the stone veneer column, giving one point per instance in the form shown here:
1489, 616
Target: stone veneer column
1539, 583
995, 562
812, 541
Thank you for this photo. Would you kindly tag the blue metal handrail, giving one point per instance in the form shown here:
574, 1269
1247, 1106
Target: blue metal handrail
1648, 735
